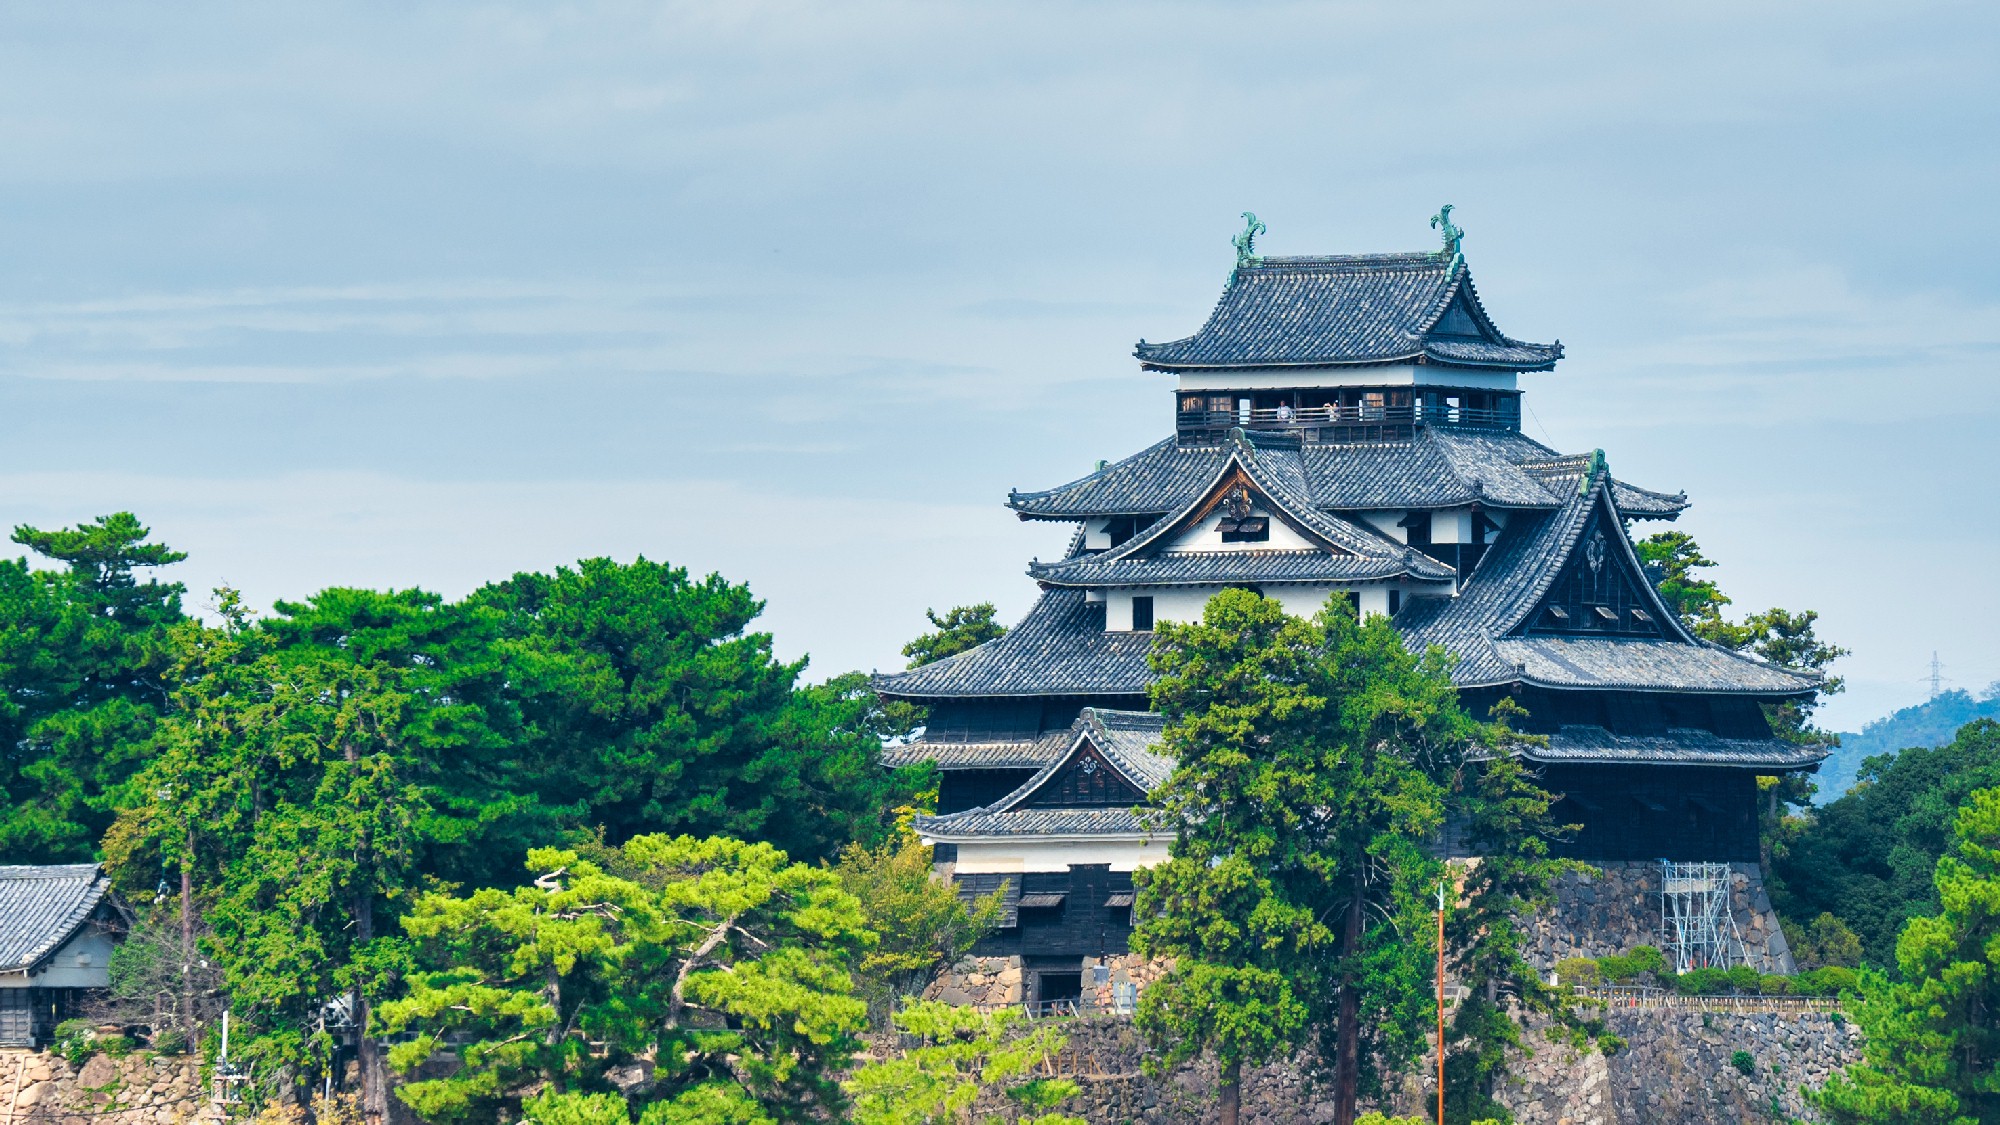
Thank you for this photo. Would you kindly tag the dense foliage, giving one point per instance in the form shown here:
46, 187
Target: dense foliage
958, 1055
1932, 1034
919, 922
1933, 722
1867, 858
1315, 759
722, 964
83, 665
275, 792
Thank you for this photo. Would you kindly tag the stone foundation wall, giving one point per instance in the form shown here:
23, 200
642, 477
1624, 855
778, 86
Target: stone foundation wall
990, 981
1675, 1070
139, 1089
1596, 915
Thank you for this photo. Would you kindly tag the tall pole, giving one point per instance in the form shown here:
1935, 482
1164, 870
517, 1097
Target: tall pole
1440, 1117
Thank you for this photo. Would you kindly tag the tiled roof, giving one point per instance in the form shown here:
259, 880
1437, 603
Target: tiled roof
975, 823
1282, 480
1033, 753
1642, 665
1437, 467
40, 907
1347, 309
1213, 568
1678, 747
1357, 552
1059, 648
1509, 585
1129, 740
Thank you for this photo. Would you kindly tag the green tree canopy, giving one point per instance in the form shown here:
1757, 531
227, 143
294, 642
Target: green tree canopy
1867, 858
647, 706
719, 968
920, 923
83, 656
1314, 762
959, 1055
1932, 1037
961, 628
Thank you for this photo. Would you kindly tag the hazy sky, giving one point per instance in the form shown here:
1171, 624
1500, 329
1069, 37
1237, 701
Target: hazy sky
401, 294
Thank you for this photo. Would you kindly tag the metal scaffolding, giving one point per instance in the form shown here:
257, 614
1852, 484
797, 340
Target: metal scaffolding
1697, 928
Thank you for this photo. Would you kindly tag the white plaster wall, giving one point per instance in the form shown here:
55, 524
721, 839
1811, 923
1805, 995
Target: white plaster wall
1399, 376
1170, 603
1000, 856
1385, 522
1185, 603
1094, 538
1451, 525
1204, 536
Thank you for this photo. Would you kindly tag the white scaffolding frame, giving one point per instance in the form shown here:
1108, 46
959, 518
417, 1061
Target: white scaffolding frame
1697, 928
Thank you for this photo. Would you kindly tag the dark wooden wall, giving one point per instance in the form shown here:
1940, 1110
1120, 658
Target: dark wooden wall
1656, 812
1081, 927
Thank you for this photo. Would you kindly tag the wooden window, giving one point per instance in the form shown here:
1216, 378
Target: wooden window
1256, 529
1142, 613
1417, 527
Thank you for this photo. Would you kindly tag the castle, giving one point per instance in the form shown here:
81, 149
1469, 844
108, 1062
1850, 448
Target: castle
1351, 425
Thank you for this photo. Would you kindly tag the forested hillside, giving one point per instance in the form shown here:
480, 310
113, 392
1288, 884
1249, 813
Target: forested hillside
1931, 723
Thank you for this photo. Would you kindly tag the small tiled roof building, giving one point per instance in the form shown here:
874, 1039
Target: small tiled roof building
58, 925
1341, 426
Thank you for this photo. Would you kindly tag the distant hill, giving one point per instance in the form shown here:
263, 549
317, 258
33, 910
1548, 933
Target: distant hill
1926, 724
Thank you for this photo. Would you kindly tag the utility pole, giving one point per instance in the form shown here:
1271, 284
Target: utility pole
1440, 1117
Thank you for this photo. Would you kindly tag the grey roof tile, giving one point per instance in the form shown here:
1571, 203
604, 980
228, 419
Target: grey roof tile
1437, 467
1129, 740
1033, 753
1675, 747
1059, 648
1346, 309
976, 823
1509, 585
1211, 568
1358, 552
41, 906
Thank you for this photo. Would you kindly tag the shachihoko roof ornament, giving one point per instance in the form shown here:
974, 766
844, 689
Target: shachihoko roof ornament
1245, 243
1453, 235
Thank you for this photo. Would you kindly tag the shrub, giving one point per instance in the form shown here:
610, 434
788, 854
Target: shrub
1828, 981
1625, 966
76, 1040
1578, 970
1702, 982
1743, 978
1609, 1044
170, 1041
1743, 1062
1772, 984
117, 1046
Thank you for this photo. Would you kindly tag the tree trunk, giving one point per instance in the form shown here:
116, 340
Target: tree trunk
1232, 1091
187, 950
1347, 1050
367, 1053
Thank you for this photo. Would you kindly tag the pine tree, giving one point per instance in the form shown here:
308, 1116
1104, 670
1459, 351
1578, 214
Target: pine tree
1933, 1036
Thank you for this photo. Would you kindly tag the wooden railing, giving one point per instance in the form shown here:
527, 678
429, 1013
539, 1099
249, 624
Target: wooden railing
1617, 996
1343, 418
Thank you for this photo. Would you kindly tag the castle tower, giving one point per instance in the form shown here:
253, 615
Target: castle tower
1349, 425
